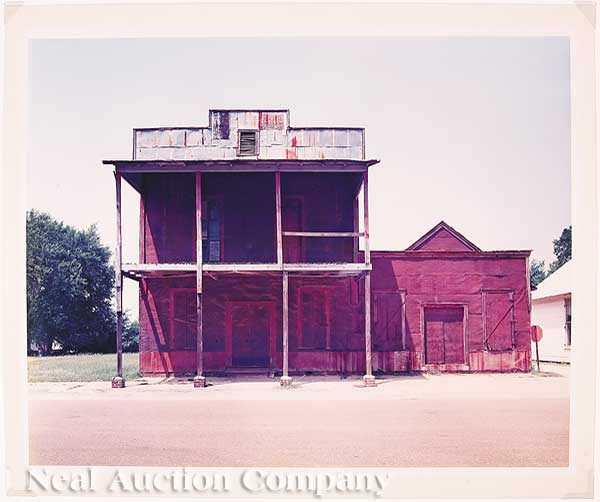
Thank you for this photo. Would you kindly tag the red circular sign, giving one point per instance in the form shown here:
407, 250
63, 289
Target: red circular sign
536, 333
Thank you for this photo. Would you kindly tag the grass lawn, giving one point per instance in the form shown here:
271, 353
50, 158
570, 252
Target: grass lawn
81, 368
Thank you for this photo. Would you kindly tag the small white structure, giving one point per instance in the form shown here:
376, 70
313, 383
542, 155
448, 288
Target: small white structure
551, 310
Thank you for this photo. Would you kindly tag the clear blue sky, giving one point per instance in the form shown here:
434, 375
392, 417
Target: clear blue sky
474, 131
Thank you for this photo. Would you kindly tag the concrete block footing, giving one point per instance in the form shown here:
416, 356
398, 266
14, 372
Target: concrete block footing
118, 382
369, 381
199, 381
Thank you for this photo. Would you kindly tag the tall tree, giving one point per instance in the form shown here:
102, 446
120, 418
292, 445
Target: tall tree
537, 272
69, 287
562, 249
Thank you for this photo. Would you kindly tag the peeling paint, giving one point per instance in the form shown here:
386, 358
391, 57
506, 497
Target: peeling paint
277, 140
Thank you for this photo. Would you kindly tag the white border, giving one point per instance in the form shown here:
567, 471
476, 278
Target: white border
110, 20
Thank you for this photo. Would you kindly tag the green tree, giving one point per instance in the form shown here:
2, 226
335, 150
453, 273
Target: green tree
131, 334
69, 287
537, 272
562, 249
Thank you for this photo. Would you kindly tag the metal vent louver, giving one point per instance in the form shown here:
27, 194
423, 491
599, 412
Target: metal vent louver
247, 143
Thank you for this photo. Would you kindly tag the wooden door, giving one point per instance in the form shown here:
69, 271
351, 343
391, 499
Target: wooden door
250, 334
291, 221
313, 316
444, 335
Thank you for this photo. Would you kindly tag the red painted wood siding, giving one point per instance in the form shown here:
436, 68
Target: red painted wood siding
428, 283
431, 281
157, 326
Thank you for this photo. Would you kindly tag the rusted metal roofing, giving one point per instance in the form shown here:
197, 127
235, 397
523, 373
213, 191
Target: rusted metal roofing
274, 139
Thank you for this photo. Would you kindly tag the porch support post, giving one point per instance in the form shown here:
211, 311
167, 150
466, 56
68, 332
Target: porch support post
278, 219
118, 381
199, 379
368, 378
366, 218
356, 240
285, 377
286, 380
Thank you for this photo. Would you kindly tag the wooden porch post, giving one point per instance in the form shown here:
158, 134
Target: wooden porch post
118, 381
368, 378
356, 240
366, 218
285, 377
286, 380
278, 219
199, 379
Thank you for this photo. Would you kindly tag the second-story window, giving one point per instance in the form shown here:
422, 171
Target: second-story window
212, 230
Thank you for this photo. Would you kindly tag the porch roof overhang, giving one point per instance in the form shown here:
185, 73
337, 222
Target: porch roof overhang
241, 165
133, 170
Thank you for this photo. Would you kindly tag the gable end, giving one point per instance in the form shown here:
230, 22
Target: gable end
443, 237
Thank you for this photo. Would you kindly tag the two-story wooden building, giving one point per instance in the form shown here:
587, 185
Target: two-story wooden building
252, 258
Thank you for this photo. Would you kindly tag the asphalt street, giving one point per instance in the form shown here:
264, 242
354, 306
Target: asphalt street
422, 421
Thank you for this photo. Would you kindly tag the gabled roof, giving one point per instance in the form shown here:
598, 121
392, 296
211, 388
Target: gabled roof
443, 237
557, 284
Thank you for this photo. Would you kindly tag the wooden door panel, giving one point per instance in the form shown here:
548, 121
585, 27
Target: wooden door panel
250, 334
454, 340
434, 342
314, 318
444, 335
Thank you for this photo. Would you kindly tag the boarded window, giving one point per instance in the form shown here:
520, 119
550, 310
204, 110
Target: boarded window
499, 316
387, 321
212, 230
183, 335
247, 143
314, 318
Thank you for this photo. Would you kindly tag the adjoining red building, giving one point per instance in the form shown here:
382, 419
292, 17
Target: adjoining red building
251, 260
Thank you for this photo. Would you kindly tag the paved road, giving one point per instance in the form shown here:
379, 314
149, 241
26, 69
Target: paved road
448, 420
